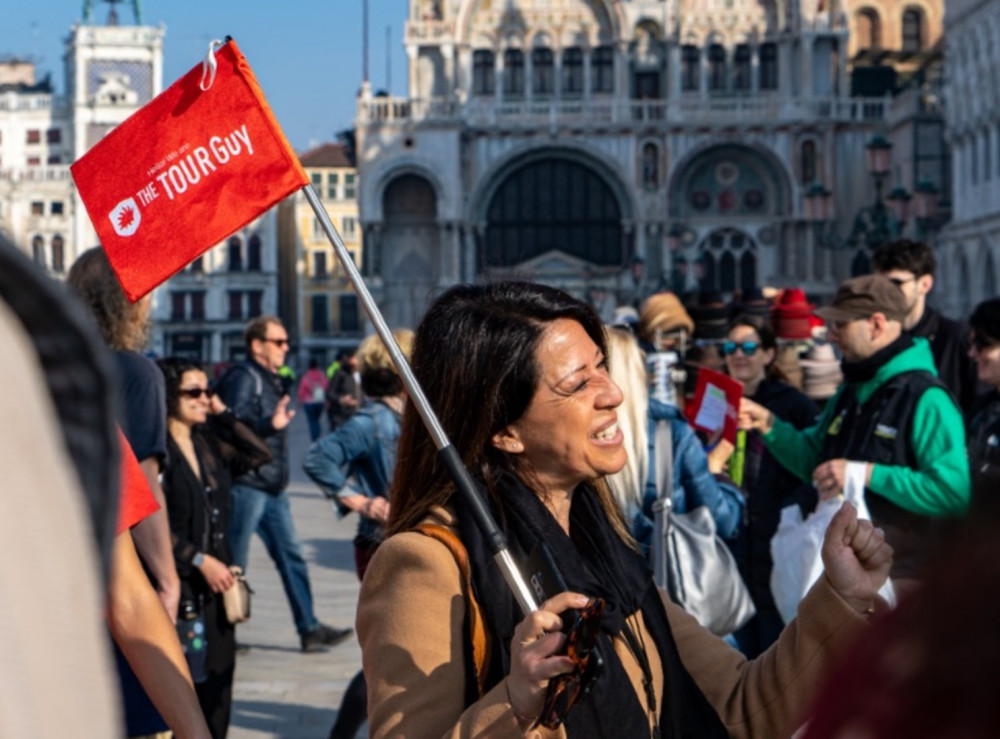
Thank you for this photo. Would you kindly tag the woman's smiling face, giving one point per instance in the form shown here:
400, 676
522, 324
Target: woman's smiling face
570, 432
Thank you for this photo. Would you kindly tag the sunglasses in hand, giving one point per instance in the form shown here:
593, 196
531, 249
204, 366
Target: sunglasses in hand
568, 689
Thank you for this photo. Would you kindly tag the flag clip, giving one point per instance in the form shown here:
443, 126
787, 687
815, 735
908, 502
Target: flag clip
209, 66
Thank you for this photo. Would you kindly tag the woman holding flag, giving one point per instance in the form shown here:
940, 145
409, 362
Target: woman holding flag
518, 376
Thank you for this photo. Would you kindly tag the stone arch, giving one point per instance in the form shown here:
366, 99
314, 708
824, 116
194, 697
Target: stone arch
757, 168
409, 249
552, 203
492, 178
375, 196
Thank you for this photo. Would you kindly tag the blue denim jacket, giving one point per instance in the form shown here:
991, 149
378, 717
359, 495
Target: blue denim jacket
693, 486
365, 447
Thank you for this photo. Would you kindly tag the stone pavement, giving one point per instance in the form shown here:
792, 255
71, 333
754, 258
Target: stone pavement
279, 691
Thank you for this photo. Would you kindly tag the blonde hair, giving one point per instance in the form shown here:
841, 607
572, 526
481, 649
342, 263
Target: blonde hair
628, 371
372, 354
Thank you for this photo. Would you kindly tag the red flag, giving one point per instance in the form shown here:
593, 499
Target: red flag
184, 172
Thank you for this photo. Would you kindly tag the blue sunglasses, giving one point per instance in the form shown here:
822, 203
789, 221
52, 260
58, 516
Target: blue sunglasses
749, 348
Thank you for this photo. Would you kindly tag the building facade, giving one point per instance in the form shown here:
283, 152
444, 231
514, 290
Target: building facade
969, 244
318, 303
616, 147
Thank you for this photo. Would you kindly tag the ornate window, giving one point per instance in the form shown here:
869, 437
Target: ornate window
572, 71
769, 66
253, 254
807, 162
542, 72
513, 73
483, 72
869, 29
235, 248
602, 69
913, 36
58, 253
650, 166
728, 262
690, 67
38, 250
716, 67
741, 68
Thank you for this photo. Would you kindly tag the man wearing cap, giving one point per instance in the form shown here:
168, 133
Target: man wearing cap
891, 423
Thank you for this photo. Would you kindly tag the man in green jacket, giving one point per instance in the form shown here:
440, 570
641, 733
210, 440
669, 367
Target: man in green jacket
891, 425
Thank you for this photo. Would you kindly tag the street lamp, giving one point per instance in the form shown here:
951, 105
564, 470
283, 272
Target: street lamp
873, 224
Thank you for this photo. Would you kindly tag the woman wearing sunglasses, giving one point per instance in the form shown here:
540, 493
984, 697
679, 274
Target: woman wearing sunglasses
749, 350
207, 447
518, 376
983, 432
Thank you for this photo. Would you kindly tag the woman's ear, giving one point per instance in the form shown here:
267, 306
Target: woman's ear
506, 440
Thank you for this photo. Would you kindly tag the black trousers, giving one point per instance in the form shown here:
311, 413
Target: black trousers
215, 694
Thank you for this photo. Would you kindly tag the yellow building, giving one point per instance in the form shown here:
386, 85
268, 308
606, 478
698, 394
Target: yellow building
317, 302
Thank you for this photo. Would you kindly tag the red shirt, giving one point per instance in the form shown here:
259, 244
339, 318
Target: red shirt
135, 499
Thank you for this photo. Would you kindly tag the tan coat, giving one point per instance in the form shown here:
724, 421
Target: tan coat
410, 619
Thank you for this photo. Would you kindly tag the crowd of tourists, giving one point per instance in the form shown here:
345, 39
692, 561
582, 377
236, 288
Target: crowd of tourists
575, 434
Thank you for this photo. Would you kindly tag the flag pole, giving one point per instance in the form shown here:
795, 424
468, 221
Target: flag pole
447, 452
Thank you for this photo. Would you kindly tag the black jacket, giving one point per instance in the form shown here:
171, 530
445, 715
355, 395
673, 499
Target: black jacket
949, 342
252, 393
198, 510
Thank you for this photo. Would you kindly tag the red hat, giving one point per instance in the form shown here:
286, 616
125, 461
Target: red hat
792, 314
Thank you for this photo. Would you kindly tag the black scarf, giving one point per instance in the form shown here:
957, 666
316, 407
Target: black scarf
865, 369
594, 561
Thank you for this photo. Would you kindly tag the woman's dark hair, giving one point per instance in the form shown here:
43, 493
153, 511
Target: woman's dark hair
173, 369
985, 320
768, 340
474, 356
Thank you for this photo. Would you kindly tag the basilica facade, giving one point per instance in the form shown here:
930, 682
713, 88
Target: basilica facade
617, 147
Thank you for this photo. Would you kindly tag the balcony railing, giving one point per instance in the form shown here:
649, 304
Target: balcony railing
596, 113
54, 173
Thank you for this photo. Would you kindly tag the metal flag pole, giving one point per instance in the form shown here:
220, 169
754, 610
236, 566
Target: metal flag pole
447, 452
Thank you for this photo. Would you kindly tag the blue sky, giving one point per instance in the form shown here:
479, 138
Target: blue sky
305, 53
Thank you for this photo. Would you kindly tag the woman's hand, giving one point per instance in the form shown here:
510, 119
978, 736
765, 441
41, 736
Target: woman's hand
719, 455
376, 508
215, 404
216, 574
533, 658
856, 557
282, 415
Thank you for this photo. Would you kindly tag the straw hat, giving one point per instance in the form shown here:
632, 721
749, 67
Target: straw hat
663, 313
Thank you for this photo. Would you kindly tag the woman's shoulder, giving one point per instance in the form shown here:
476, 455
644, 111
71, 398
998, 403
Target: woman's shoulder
410, 565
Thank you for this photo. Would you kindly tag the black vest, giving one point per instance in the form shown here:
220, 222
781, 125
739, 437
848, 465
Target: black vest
878, 430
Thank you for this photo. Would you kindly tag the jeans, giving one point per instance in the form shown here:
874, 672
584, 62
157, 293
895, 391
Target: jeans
314, 412
271, 517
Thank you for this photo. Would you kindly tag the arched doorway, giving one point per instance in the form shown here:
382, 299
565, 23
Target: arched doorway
552, 204
410, 248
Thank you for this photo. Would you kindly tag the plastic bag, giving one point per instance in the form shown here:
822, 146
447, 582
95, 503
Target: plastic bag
796, 545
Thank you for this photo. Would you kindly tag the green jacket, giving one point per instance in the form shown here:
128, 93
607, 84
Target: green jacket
940, 487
